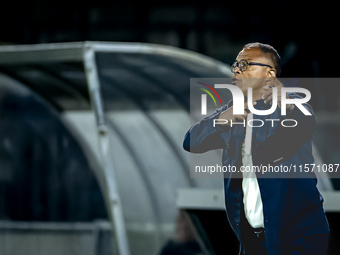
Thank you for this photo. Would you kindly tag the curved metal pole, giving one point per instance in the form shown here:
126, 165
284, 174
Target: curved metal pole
32, 86
68, 85
143, 176
111, 195
146, 111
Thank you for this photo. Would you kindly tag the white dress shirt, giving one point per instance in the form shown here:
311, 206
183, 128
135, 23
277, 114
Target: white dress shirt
251, 192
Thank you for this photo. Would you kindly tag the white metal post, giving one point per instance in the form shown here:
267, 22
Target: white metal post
111, 190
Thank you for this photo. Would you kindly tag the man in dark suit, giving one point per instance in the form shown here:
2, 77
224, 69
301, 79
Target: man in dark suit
270, 214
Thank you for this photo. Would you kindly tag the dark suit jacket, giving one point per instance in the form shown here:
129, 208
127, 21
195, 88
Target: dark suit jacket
292, 204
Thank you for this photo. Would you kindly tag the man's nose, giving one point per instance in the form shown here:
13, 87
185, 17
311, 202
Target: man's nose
237, 70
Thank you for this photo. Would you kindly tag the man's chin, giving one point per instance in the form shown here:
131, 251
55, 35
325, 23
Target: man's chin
242, 88
239, 85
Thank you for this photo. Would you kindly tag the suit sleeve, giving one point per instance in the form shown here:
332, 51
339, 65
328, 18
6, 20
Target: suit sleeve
203, 136
304, 129
287, 141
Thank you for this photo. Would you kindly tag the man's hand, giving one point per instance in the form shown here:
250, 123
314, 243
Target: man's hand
268, 96
228, 115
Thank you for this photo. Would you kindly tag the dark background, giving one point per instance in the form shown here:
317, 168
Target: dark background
305, 33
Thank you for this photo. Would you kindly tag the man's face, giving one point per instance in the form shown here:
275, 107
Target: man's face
258, 73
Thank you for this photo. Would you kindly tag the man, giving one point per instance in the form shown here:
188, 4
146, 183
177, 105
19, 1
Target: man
269, 215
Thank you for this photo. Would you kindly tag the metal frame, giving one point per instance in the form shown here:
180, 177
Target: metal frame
85, 52
112, 196
44, 229
74, 51
213, 199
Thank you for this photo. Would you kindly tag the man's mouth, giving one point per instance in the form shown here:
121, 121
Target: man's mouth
234, 80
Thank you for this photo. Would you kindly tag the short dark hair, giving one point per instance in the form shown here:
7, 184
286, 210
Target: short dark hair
269, 51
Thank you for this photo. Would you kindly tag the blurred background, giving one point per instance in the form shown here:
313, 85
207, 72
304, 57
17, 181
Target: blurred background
304, 33
91, 158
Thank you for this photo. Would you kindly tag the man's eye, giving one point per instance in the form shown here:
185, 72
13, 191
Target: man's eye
243, 65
